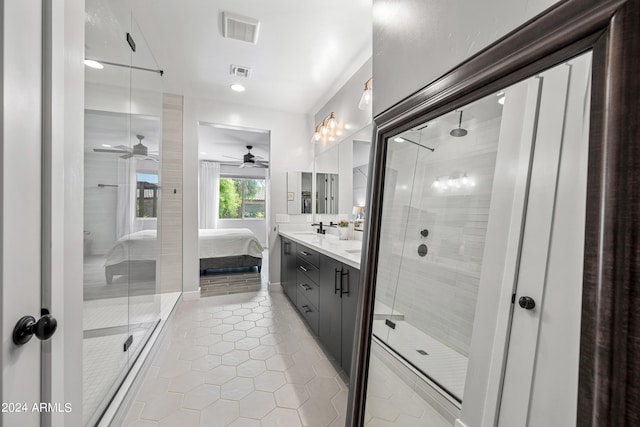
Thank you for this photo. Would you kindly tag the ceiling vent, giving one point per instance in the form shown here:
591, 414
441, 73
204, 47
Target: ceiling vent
240, 71
240, 27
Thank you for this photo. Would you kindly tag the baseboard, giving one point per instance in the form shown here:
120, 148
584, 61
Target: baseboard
191, 295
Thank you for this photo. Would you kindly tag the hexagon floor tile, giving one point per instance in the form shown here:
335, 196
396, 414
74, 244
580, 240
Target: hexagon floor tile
248, 360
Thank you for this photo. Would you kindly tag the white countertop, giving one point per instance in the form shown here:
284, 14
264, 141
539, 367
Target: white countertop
345, 251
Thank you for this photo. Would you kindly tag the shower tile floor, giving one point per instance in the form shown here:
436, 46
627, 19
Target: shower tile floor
107, 323
442, 364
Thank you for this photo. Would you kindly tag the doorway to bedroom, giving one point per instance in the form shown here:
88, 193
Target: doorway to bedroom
233, 206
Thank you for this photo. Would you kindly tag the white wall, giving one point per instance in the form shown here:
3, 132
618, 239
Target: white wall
417, 41
100, 202
290, 150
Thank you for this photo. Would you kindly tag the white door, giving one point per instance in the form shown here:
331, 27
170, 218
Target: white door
541, 376
20, 227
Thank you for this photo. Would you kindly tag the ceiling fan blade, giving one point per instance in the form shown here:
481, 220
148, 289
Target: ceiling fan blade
234, 158
122, 147
127, 156
108, 150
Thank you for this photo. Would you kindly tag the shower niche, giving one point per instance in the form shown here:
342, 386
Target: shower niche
472, 204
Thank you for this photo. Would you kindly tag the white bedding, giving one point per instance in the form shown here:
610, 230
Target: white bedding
142, 245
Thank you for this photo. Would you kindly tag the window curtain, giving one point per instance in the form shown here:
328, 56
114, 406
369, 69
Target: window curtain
209, 188
126, 203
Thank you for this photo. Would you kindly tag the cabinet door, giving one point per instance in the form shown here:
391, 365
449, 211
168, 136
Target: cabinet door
349, 285
291, 271
330, 330
284, 269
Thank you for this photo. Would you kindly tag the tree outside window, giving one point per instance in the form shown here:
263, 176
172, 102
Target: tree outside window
242, 198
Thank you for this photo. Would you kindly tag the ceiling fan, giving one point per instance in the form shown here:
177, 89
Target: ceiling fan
139, 151
249, 160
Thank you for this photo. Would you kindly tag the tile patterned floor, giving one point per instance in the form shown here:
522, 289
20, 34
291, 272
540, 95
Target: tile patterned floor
392, 402
240, 360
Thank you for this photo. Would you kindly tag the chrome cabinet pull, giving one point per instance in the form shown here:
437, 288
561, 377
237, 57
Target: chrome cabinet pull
305, 253
305, 286
307, 309
302, 268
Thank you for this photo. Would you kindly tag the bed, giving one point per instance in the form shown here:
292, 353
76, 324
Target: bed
136, 253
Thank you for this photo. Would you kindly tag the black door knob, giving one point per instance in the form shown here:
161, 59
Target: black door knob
27, 327
527, 303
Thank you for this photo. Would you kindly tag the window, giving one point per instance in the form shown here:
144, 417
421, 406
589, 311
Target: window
147, 195
242, 198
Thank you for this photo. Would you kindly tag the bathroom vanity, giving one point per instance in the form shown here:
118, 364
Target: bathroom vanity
320, 275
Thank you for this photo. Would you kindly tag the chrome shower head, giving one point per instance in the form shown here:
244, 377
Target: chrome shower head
459, 131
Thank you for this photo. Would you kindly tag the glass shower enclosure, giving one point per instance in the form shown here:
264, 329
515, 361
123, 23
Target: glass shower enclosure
122, 200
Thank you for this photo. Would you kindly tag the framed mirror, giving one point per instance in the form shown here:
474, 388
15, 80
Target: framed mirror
548, 173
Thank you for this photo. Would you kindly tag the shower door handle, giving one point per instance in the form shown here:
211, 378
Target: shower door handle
527, 303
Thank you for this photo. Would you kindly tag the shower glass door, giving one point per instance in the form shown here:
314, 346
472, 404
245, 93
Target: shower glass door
123, 113
144, 248
441, 180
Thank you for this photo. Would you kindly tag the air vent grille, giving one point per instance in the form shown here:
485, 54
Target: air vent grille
240, 27
240, 71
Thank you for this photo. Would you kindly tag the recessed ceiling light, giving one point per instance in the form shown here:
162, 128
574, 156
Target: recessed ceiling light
501, 100
107, 145
238, 88
398, 139
93, 64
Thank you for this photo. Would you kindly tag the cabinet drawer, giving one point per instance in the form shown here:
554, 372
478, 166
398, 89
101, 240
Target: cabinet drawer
308, 310
310, 289
309, 255
312, 272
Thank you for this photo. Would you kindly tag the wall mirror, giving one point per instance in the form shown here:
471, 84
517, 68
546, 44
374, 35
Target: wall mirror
451, 184
327, 181
505, 213
361, 148
299, 192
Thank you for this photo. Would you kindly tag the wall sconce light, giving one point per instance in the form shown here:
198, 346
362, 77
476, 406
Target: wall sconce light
365, 99
326, 128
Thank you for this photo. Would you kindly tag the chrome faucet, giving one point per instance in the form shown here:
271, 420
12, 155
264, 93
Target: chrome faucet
320, 229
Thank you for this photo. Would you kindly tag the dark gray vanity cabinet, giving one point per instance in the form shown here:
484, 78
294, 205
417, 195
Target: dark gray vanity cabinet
338, 299
331, 303
288, 268
350, 285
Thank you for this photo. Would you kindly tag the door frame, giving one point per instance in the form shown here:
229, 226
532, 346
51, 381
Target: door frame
62, 206
609, 370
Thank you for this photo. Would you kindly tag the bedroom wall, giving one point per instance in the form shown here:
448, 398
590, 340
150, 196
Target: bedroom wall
290, 149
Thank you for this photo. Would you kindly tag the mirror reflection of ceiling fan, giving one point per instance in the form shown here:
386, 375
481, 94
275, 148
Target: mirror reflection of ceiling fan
249, 160
139, 151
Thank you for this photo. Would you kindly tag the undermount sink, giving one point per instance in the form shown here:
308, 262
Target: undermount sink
305, 233
354, 251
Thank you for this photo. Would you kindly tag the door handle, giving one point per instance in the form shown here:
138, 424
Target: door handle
27, 327
527, 303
